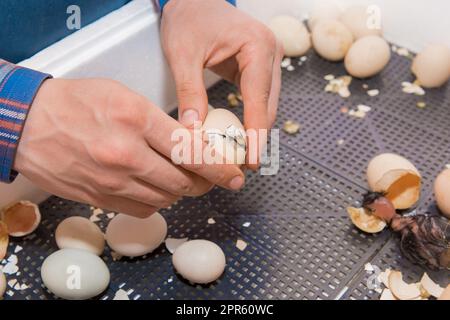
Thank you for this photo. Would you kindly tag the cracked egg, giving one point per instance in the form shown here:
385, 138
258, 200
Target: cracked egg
395, 176
22, 218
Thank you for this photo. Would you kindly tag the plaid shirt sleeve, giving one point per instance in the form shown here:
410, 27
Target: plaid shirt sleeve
18, 86
161, 3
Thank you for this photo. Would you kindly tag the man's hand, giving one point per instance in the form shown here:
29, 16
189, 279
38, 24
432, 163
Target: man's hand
198, 34
97, 142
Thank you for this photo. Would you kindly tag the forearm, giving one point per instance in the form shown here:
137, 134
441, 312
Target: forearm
18, 86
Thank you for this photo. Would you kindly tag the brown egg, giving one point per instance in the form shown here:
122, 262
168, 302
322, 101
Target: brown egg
292, 34
357, 19
442, 192
432, 66
331, 39
367, 57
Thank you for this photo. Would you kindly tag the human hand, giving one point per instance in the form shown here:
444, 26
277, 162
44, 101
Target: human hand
198, 34
97, 142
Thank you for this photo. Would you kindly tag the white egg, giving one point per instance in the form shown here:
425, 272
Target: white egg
226, 136
292, 34
75, 274
199, 261
432, 66
328, 10
80, 233
331, 39
362, 22
2, 284
442, 192
133, 237
367, 56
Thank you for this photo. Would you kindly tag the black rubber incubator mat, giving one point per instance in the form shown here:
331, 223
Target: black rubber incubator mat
300, 242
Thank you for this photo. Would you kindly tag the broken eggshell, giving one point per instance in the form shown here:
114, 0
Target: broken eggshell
80, 233
133, 237
22, 218
365, 221
430, 286
442, 192
173, 243
226, 136
445, 294
397, 177
402, 290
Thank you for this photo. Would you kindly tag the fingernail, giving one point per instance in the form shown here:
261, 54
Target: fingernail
237, 183
189, 117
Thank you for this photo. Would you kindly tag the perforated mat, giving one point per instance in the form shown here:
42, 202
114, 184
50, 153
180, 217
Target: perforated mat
301, 245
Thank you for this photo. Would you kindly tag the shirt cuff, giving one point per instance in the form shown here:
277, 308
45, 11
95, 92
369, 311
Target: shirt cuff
161, 3
18, 87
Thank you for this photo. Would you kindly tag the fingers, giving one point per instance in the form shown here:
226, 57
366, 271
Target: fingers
276, 85
191, 92
166, 136
127, 206
256, 68
171, 178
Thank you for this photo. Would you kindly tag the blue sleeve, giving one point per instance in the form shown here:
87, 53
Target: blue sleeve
18, 86
162, 3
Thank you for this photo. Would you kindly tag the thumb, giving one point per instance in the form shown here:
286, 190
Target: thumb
191, 92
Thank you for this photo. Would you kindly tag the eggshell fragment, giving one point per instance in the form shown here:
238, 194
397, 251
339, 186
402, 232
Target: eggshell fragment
331, 39
367, 57
323, 11
4, 240
432, 66
226, 136
387, 295
132, 237
199, 261
397, 177
430, 286
400, 289
442, 192
2, 284
292, 34
445, 294
80, 233
22, 218
172, 243
75, 274
357, 19
365, 221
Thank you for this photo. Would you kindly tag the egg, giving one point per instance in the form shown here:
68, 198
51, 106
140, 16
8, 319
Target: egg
331, 39
133, 237
22, 218
367, 57
2, 284
432, 66
358, 20
75, 274
80, 233
442, 192
292, 34
226, 137
199, 261
328, 10
397, 177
